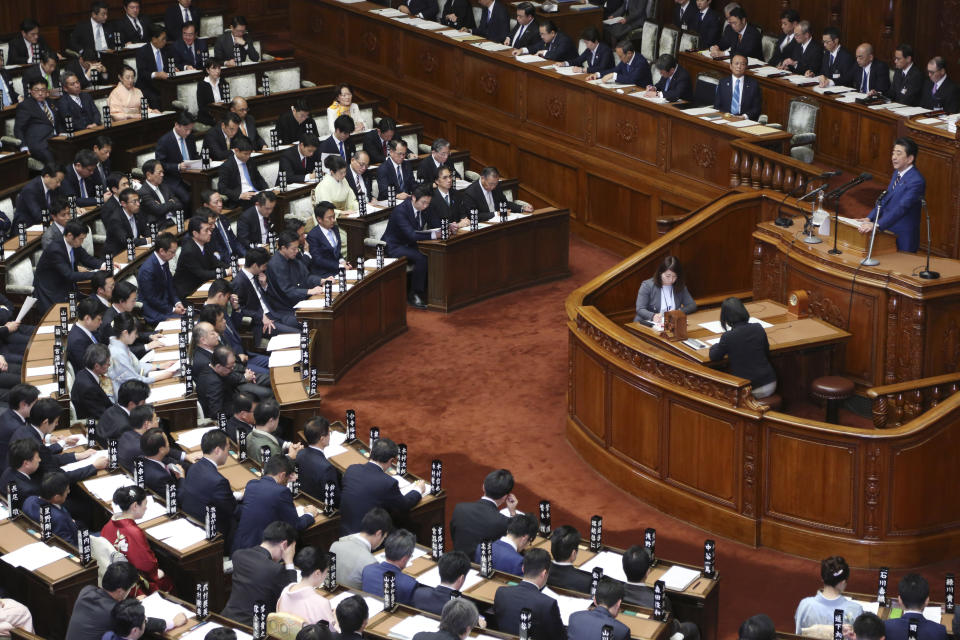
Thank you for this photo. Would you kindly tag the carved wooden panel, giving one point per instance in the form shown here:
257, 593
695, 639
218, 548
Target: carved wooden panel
938, 161
627, 129
367, 40
588, 392
491, 85
433, 125
558, 106
810, 482
619, 210
486, 149
695, 155
876, 141
920, 497
703, 453
427, 61
635, 424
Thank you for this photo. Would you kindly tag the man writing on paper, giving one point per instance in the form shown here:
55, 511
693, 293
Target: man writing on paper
899, 208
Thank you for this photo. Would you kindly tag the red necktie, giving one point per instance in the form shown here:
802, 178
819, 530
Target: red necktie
304, 162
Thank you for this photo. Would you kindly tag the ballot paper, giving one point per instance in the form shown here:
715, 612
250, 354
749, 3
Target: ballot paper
103, 488
610, 562
933, 613
79, 464
568, 604
834, 89
33, 556
179, 533
678, 578
201, 630
929, 121
317, 303
191, 437
491, 46
284, 358
417, 553
284, 341
431, 578
168, 325
156, 606
41, 371
167, 392
374, 605
716, 327
25, 308
197, 165
406, 486
870, 607
527, 58
700, 111
411, 626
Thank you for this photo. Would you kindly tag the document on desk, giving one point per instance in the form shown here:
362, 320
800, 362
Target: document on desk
191, 437
678, 578
568, 604
653, 98
851, 96
417, 553
765, 71
528, 58
746, 122
609, 561
311, 304
168, 325
429, 25
179, 533
200, 631
455, 34
48, 370
47, 390
910, 111
47, 328
160, 355
798, 79
86, 462
432, 578
491, 46
284, 341
700, 111
284, 357
411, 626
716, 327
374, 605
170, 339
167, 392
406, 486
103, 488
887, 105
33, 556
388, 13
156, 606
833, 89
930, 121
371, 263
569, 71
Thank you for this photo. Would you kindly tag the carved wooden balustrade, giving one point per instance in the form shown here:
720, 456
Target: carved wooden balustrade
760, 168
896, 404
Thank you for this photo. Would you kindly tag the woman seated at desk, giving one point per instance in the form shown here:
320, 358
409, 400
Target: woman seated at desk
814, 616
746, 344
210, 90
124, 100
123, 364
129, 539
665, 291
343, 105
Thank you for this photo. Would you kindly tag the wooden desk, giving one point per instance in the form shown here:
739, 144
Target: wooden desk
946, 619
499, 257
200, 179
371, 313
13, 169
571, 22
126, 133
380, 625
172, 89
269, 108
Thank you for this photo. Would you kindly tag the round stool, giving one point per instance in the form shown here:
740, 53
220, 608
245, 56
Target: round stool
773, 402
833, 389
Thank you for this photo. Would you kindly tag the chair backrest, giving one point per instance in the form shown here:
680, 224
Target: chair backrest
440, 4
802, 116
20, 277
144, 156
648, 47
269, 171
581, 46
323, 126
669, 41
689, 41
173, 261
284, 626
652, 6
5, 50
893, 71
284, 79
705, 91
6, 206
477, 14
243, 86
211, 26
412, 140
88, 243
302, 208
187, 94
769, 44
376, 229
18, 84
264, 131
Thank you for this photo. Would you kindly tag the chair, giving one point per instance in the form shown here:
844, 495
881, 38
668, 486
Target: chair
211, 26
669, 41
802, 123
284, 626
5, 50
187, 95
245, 85
269, 171
689, 41
20, 278
284, 79
477, 15
648, 45
104, 553
833, 389
705, 91
769, 46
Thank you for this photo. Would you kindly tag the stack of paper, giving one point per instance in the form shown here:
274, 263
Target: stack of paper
716, 327
833, 89
168, 325
285, 357
431, 578
406, 486
389, 13
909, 111
797, 79
700, 111
746, 122
491, 46
200, 631
456, 35
409, 627
284, 341
530, 57
179, 533
33, 556
568, 604
190, 438
851, 96
311, 303
156, 606
103, 488
755, 62
679, 578
417, 553
165, 392
569, 71
766, 71
610, 562
41, 371
79, 464
654, 98
374, 605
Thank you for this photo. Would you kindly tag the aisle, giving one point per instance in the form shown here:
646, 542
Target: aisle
485, 387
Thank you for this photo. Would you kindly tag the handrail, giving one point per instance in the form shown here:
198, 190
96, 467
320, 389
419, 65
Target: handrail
761, 168
895, 404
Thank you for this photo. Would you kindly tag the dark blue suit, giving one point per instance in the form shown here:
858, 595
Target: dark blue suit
156, 477
265, 501
332, 146
325, 258
494, 22
26, 485
287, 283
426, 9
184, 57
77, 343
51, 456
251, 308
432, 600
173, 23
372, 581
637, 72
560, 49
505, 558
508, 601
750, 44
10, 421
897, 628
155, 290
204, 485
128, 448
401, 236
844, 70
900, 209
60, 518
31, 199
170, 156
587, 625
315, 472
680, 87
88, 398
366, 486
226, 248
710, 26
71, 187
686, 18
83, 114
146, 65
599, 58
387, 176
749, 97
54, 277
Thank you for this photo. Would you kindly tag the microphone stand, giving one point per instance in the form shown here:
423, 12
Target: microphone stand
870, 261
836, 231
926, 274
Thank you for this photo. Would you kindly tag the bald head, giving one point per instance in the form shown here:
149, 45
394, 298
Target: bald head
865, 54
239, 106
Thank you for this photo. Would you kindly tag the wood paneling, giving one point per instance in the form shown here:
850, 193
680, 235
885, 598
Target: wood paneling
703, 453
546, 174
486, 149
918, 473
554, 107
635, 425
490, 85
588, 393
623, 129
617, 209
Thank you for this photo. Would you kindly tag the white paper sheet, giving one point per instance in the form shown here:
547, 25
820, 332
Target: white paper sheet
191, 437
406, 486
179, 533
25, 308
568, 604
910, 111
168, 325
47, 389
798, 79
170, 339
431, 578
47, 328
41, 371
654, 98
528, 58
833, 89
851, 97
284, 358
569, 71
284, 341
870, 607
679, 578
167, 392
317, 303
374, 605
33, 556
740, 123
154, 510
409, 627
158, 607
417, 553
610, 562
933, 613
155, 355
491, 46
79, 464
371, 263
197, 165
700, 111
765, 71
716, 327
104, 487
204, 628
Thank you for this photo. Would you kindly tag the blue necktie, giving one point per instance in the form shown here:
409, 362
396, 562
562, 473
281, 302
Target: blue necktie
73, 265
183, 150
863, 84
735, 99
159, 60
223, 234
342, 154
667, 84
83, 187
246, 174
399, 179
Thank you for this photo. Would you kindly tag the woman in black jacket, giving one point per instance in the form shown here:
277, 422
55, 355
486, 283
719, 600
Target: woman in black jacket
745, 344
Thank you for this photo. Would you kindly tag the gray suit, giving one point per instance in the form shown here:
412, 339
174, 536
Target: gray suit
256, 439
352, 556
648, 301
635, 12
50, 234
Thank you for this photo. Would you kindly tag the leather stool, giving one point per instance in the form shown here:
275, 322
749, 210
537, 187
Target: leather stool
773, 402
833, 389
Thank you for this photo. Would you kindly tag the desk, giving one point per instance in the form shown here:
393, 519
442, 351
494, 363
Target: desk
499, 257
245, 81
13, 170
199, 179
125, 134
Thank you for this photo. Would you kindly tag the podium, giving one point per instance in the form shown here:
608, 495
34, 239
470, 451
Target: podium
850, 239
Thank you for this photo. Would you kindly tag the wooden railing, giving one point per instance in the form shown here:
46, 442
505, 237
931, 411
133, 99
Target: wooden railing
896, 404
761, 168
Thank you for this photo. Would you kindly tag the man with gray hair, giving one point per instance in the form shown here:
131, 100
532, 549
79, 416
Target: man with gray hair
398, 550
439, 157
486, 196
77, 104
457, 620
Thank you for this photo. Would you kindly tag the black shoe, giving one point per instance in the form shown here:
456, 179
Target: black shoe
416, 301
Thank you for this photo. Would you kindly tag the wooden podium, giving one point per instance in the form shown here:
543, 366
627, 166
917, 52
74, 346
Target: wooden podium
849, 236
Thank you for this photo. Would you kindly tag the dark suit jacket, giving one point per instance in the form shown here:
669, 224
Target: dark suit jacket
83, 114
749, 97
494, 22
216, 141
156, 477
250, 124
287, 283
235, 425
230, 184
367, 179
291, 163
687, 17
169, 154
114, 422
432, 599
173, 20
509, 600
710, 27
530, 40
152, 210
439, 210
906, 89
372, 581
288, 129
461, 9
596, 60
315, 472
204, 485
256, 577
844, 70
88, 399
156, 293
366, 486
567, 576
92, 615
325, 259
503, 558
33, 73
637, 72
31, 199
85, 82
194, 267
474, 522
10, 421
204, 100
213, 392
879, 77
681, 88
82, 39
52, 456
900, 209
77, 343
387, 175
946, 98
331, 145
129, 34
26, 485
248, 227
228, 247
71, 187
146, 65
473, 198
265, 501
750, 44
54, 279
427, 170
926, 629
224, 49
402, 229
62, 524
18, 50
183, 57
374, 146
808, 59
426, 9
32, 125
560, 49
781, 52
590, 624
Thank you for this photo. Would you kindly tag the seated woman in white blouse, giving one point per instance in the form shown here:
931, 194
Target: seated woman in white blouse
210, 89
665, 291
123, 364
343, 105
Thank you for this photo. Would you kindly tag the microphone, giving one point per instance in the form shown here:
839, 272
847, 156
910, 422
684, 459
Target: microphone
842, 189
782, 220
830, 174
926, 274
819, 189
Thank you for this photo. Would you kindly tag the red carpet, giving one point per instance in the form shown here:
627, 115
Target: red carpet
485, 387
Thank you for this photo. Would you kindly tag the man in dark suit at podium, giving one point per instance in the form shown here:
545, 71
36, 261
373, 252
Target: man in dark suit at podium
907, 80
473, 522
899, 208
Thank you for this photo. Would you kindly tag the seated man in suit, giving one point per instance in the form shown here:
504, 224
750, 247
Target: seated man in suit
376, 141
939, 91
445, 203
709, 24
352, 614
36, 195
254, 224
674, 83
152, 65
288, 276
324, 242
685, 15
78, 105
636, 563
128, 225
874, 74
457, 14
223, 240
261, 572
242, 419
93, 35
25, 49
899, 210
633, 68
316, 472
88, 69
357, 177
398, 549
806, 54
739, 37
404, 228
20, 400
425, 9
526, 35
35, 122
300, 161
457, 620
219, 139
908, 80
196, 264
77, 181
267, 499
102, 284
102, 148
248, 124
453, 568
251, 288
296, 123
240, 181
215, 377
158, 294
595, 57
439, 157
115, 421
87, 395
161, 466
789, 18
739, 95
354, 551
838, 66
473, 522
507, 552
174, 149
45, 70
234, 44
56, 274
132, 26
629, 17
339, 141
554, 44
23, 460
178, 15
83, 333
564, 544
266, 419
158, 201
913, 594
189, 52
44, 418
494, 21
204, 486
589, 624
509, 600
395, 172
368, 485
486, 196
